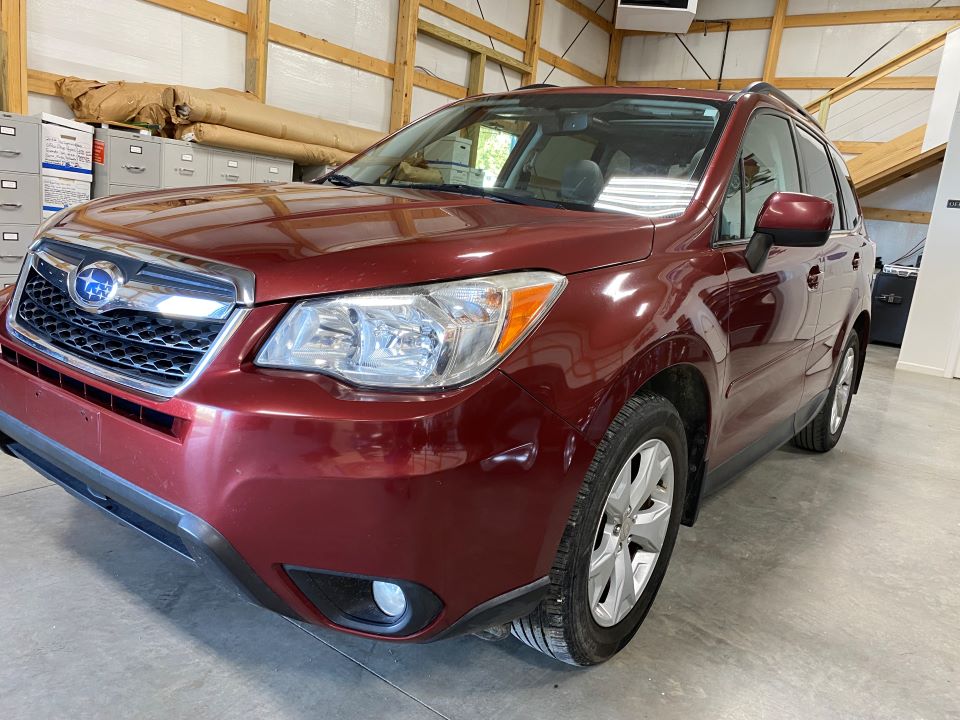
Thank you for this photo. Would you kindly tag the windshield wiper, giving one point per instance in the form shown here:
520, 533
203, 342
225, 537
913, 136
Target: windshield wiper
491, 193
342, 180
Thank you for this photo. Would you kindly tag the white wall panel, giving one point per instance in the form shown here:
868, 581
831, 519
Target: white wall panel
662, 57
879, 115
561, 25
367, 26
800, 7
730, 9
509, 14
323, 88
493, 79
443, 60
915, 193
425, 101
49, 104
131, 40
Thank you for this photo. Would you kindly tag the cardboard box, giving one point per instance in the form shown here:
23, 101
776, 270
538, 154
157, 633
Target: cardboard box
452, 174
449, 151
476, 176
60, 192
66, 148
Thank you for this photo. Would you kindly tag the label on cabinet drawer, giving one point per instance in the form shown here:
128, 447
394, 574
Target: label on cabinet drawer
8, 184
7, 130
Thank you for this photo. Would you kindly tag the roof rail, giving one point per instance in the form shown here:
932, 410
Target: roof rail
765, 88
536, 86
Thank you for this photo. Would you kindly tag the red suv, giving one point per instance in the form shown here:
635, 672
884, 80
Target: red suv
475, 379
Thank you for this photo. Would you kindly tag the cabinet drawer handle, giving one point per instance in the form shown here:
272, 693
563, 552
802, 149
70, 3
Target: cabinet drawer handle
134, 168
10, 153
229, 176
11, 206
184, 171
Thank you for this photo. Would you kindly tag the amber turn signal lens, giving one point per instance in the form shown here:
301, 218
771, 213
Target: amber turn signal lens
525, 304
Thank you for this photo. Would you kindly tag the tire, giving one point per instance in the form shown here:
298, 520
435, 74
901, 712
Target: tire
823, 432
568, 625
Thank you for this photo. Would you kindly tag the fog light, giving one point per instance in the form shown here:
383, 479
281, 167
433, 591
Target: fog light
389, 598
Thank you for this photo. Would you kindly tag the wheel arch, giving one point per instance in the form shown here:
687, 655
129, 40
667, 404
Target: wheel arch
684, 370
861, 326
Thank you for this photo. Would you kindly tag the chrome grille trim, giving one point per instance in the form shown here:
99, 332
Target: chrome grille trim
233, 313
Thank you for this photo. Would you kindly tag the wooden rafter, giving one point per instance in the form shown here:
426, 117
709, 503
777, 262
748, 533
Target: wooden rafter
531, 43
13, 56
882, 71
452, 38
772, 57
614, 52
855, 147
894, 82
570, 68
205, 10
475, 22
859, 17
917, 217
403, 62
255, 66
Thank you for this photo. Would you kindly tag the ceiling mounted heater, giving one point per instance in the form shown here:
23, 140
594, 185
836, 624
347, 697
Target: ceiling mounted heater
672, 16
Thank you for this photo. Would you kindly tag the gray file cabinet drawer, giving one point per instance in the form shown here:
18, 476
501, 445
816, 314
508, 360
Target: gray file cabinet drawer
134, 161
7, 280
184, 164
230, 167
10, 266
126, 189
272, 170
14, 241
19, 144
19, 199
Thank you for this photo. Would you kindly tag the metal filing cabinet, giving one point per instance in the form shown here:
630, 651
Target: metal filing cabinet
184, 164
230, 167
272, 170
20, 194
125, 162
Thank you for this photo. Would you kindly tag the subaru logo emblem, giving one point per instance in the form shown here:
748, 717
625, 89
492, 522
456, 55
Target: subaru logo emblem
96, 285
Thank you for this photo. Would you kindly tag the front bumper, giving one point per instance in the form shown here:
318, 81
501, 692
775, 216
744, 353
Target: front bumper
465, 493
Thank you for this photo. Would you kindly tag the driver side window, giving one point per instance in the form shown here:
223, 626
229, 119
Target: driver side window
767, 164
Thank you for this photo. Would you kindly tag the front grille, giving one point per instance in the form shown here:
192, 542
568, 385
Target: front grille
139, 345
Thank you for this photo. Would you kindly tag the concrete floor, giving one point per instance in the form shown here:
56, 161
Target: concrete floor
813, 587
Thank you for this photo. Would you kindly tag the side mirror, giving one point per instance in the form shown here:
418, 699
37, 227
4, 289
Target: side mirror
789, 219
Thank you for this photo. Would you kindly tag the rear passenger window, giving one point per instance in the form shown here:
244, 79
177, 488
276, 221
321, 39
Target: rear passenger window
818, 172
850, 205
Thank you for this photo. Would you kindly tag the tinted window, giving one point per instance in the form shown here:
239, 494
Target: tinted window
591, 152
769, 164
818, 172
850, 204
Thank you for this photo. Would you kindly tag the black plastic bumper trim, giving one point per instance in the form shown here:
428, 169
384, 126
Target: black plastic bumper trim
173, 527
502, 609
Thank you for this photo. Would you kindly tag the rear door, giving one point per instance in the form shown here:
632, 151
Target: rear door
773, 313
841, 260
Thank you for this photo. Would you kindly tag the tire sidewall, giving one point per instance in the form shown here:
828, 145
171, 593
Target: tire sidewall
655, 421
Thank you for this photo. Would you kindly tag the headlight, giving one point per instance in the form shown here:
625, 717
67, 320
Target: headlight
424, 337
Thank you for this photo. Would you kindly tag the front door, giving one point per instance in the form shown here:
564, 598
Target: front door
773, 313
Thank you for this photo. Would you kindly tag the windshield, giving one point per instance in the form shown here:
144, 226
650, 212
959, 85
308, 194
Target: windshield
632, 154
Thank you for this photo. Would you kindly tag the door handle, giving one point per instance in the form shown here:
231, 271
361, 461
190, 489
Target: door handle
856, 261
11, 206
134, 168
230, 176
184, 171
10, 153
813, 277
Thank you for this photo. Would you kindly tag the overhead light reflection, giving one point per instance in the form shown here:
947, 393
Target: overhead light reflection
647, 196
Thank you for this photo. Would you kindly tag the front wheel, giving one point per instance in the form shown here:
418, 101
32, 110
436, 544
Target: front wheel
618, 540
824, 431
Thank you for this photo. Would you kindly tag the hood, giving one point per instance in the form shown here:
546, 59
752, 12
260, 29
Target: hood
303, 239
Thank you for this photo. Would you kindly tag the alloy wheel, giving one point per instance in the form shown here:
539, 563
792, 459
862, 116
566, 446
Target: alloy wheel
631, 532
841, 393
